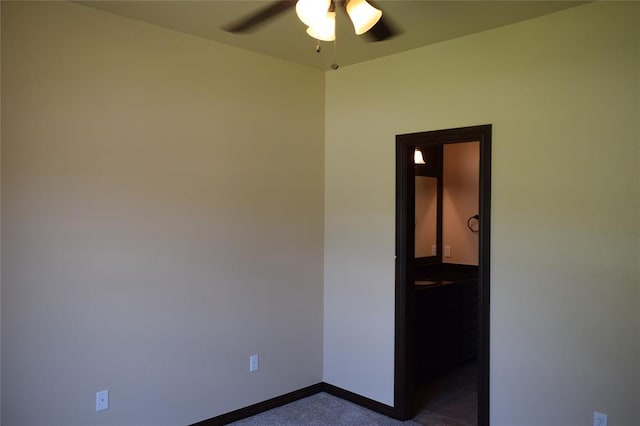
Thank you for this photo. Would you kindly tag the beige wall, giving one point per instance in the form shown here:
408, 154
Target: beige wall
161, 221
460, 201
562, 93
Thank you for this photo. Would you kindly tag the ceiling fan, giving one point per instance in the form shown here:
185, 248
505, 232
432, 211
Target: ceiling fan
319, 16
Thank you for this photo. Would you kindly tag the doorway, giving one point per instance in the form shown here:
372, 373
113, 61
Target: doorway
434, 332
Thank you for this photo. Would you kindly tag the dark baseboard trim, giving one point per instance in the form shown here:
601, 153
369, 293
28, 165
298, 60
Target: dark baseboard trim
252, 410
360, 400
269, 404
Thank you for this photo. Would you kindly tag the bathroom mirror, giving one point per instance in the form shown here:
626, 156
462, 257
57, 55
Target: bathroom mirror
427, 190
426, 216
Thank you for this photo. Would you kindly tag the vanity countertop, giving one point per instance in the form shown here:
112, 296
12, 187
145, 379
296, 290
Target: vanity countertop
427, 283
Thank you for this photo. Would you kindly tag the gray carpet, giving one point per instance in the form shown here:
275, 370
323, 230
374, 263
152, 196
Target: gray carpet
321, 409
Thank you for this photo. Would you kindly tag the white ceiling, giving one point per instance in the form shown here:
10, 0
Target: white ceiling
421, 23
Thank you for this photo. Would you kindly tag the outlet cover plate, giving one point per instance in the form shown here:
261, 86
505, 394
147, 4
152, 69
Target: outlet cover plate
253, 363
102, 400
599, 419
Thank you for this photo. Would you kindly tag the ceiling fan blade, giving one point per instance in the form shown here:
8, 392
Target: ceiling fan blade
255, 20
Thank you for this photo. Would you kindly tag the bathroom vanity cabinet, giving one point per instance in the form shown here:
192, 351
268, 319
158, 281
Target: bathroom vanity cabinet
446, 324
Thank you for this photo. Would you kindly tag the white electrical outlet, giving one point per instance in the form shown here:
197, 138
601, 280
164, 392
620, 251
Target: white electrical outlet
447, 251
253, 362
434, 250
102, 400
599, 419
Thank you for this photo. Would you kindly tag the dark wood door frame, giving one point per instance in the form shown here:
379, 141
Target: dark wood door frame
404, 386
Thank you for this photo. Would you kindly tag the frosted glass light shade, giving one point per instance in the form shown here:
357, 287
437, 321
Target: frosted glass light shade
312, 11
324, 29
362, 15
417, 157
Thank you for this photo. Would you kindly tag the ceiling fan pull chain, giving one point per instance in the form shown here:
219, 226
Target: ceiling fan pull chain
334, 65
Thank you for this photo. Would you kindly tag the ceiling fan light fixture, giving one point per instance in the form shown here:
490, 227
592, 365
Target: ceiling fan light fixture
312, 11
363, 16
324, 29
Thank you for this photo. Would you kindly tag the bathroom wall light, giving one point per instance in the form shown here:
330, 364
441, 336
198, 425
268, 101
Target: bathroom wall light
417, 157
